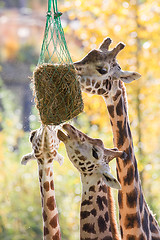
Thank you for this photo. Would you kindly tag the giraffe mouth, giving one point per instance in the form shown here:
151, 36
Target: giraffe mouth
62, 136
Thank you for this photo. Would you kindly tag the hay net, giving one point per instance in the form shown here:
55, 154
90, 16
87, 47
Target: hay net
57, 90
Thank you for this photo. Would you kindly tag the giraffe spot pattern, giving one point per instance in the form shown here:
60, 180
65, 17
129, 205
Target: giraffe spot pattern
46, 231
44, 216
106, 217
141, 237
107, 238
128, 157
54, 221
121, 231
103, 188
130, 237
46, 186
111, 110
136, 170
121, 133
47, 170
77, 152
89, 227
131, 198
40, 173
57, 236
101, 91
51, 203
128, 179
52, 185
86, 202
92, 189
84, 214
101, 201
145, 222
132, 220
82, 158
102, 224
119, 108
120, 202
118, 93
152, 226
94, 212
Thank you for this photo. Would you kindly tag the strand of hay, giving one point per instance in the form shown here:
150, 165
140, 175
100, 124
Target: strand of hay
57, 93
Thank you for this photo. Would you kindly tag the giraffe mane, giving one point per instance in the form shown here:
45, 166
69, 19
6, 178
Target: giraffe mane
111, 207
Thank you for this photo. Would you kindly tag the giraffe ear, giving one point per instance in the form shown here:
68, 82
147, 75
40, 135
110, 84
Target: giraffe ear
127, 76
111, 181
28, 157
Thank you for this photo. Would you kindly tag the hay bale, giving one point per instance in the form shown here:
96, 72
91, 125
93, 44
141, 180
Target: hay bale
57, 93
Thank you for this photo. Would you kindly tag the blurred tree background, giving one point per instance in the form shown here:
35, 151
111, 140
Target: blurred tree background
86, 24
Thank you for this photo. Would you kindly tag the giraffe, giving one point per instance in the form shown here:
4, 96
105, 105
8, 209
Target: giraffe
91, 158
45, 145
99, 73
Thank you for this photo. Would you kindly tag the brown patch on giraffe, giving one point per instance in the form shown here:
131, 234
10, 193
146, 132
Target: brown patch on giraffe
44, 216
40, 173
47, 170
128, 179
145, 223
120, 201
107, 238
51, 203
101, 91
118, 93
121, 133
97, 85
77, 152
50, 160
88, 89
81, 163
86, 202
52, 185
131, 198
40, 160
93, 82
82, 158
46, 231
129, 156
51, 173
103, 188
94, 212
84, 214
54, 153
132, 220
90, 197
57, 236
89, 227
83, 169
142, 237
130, 237
152, 226
102, 224
101, 201
111, 110
46, 186
88, 82
92, 189
121, 232
54, 221
106, 217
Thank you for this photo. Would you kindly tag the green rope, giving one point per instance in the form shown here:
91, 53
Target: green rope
58, 92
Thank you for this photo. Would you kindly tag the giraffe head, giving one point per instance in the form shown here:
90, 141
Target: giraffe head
44, 144
99, 68
89, 155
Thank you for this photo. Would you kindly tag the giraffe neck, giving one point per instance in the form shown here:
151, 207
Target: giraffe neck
136, 220
97, 220
51, 228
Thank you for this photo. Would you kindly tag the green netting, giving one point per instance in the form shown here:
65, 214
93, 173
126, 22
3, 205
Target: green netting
57, 91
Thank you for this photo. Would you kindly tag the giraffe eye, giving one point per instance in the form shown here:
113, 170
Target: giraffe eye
94, 153
102, 70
